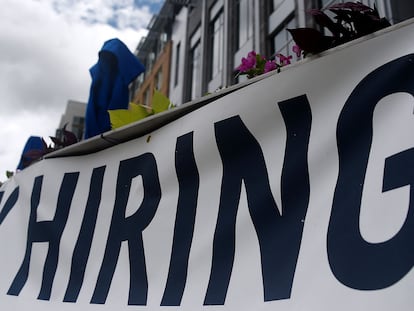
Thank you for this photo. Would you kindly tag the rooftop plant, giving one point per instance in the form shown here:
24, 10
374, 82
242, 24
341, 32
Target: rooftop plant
351, 20
255, 64
68, 138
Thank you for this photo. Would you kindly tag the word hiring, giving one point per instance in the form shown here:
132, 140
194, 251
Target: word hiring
354, 262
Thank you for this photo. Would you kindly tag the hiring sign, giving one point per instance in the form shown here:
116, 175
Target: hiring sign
290, 193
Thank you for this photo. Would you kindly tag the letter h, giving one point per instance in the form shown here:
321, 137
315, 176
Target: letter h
45, 231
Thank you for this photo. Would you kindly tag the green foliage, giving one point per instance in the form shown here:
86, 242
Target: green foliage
136, 112
121, 117
160, 102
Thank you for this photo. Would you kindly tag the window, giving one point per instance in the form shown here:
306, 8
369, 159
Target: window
325, 3
163, 38
150, 61
158, 80
141, 78
194, 69
195, 58
245, 21
78, 126
216, 41
399, 10
177, 63
282, 41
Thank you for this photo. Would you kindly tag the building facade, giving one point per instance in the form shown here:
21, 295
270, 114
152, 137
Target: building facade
208, 38
156, 78
155, 52
74, 119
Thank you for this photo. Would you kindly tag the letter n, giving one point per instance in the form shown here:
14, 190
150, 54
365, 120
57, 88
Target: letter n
279, 235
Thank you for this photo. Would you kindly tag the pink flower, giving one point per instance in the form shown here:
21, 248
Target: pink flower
251, 55
269, 66
297, 50
284, 60
247, 63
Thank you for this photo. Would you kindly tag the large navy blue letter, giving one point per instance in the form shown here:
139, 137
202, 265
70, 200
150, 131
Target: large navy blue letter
84, 242
11, 201
279, 236
130, 229
188, 180
355, 262
46, 231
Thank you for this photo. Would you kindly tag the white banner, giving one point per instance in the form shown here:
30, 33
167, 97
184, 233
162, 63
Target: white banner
291, 193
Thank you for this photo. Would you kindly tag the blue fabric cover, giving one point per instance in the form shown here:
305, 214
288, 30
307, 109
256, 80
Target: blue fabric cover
116, 68
33, 143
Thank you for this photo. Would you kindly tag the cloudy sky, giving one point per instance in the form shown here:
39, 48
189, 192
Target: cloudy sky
46, 50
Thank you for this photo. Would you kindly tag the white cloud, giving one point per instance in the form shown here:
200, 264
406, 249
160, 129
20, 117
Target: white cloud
46, 52
120, 13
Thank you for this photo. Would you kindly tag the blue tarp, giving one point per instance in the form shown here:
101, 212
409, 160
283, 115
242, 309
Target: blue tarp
33, 144
116, 68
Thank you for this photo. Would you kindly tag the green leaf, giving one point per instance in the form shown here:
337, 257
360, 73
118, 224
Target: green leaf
121, 117
160, 102
260, 64
9, 174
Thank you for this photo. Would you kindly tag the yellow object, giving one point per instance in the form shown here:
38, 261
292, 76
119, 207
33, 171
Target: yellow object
136, 112
121, 117
160, 102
